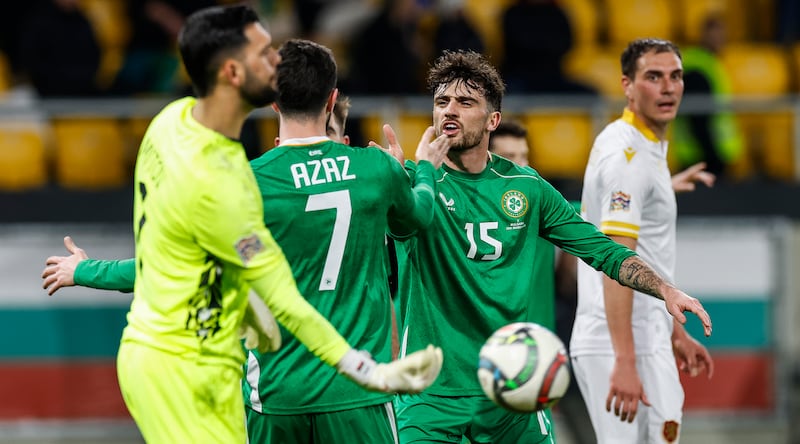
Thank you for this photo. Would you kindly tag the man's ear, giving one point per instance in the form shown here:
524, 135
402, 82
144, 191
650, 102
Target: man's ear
346, 140
233, 72
277, 140
331, 100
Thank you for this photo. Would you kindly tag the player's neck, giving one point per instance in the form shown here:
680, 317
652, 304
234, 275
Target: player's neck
472, 160
222, 115
293, 128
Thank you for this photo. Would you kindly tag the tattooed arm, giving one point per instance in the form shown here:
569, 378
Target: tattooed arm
637, 274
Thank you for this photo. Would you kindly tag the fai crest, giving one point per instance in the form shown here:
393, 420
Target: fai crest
514, 203
620, 201
670, 431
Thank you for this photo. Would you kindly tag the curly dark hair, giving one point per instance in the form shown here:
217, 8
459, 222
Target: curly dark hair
471, 68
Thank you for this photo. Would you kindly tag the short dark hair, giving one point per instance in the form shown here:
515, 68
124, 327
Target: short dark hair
471, 68
207, 37
306, 77
639, 47
511, 128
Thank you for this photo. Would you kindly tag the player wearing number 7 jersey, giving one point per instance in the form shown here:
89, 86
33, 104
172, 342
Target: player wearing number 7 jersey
327, 204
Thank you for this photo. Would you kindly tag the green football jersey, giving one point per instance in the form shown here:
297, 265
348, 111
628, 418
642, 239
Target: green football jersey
329, 206
472, 271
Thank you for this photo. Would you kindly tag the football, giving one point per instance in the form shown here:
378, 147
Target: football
524, 367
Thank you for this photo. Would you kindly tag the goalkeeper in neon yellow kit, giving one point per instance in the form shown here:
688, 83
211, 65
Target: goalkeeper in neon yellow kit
201, 243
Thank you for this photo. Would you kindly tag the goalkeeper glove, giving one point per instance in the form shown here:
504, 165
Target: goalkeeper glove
410, 374
258, 328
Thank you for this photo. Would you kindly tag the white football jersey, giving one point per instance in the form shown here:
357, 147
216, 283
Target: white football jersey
627, 191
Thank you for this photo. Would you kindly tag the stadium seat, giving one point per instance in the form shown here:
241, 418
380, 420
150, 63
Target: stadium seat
596, 66
628, 20
487, 16
583, 17
689, 17
560, 142
769, 145
90, 153
5, 74
267, 131
112, 27
760, 69
23, 156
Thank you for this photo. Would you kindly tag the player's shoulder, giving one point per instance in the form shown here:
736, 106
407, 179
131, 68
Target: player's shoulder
509, 169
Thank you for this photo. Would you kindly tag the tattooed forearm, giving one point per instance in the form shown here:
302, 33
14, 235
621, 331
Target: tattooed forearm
636, 274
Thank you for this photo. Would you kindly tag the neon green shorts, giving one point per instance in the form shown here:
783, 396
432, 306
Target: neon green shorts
426, 418
175, 400
372, 424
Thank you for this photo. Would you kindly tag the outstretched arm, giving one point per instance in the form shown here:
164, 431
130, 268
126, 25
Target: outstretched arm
78, 269
636, 274
686, 179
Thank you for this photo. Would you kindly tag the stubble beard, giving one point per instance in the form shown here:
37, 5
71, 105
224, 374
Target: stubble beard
258, 96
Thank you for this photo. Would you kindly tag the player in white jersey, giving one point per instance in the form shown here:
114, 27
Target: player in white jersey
623, 341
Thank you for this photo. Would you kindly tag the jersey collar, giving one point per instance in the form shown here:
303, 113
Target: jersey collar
305, 141
629, 117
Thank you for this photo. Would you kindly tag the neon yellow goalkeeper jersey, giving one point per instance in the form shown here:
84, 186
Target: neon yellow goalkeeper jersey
200, 235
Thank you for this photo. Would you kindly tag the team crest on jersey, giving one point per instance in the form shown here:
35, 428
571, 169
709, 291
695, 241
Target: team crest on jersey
514, 203
670, 431
249, 246
620, 201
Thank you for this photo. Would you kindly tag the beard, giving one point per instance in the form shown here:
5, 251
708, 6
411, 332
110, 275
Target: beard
468, 140
258, 95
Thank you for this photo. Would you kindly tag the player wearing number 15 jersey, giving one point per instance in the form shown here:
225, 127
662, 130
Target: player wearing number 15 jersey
469, 273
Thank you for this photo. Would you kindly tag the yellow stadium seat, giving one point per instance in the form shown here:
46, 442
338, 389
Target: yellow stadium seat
777, 151
90, 153
757, 69
628, 20
769, 145
560, 142
267, 132
583, 18
487, 16
596, 66
5, 74
23, 156
111, 25
691, 14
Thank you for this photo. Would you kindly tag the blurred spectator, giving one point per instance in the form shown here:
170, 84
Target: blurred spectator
12, 21
383, 54
308, 13
151, 60
709, 137
536, 36
454, 30
58, 50
788, 13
